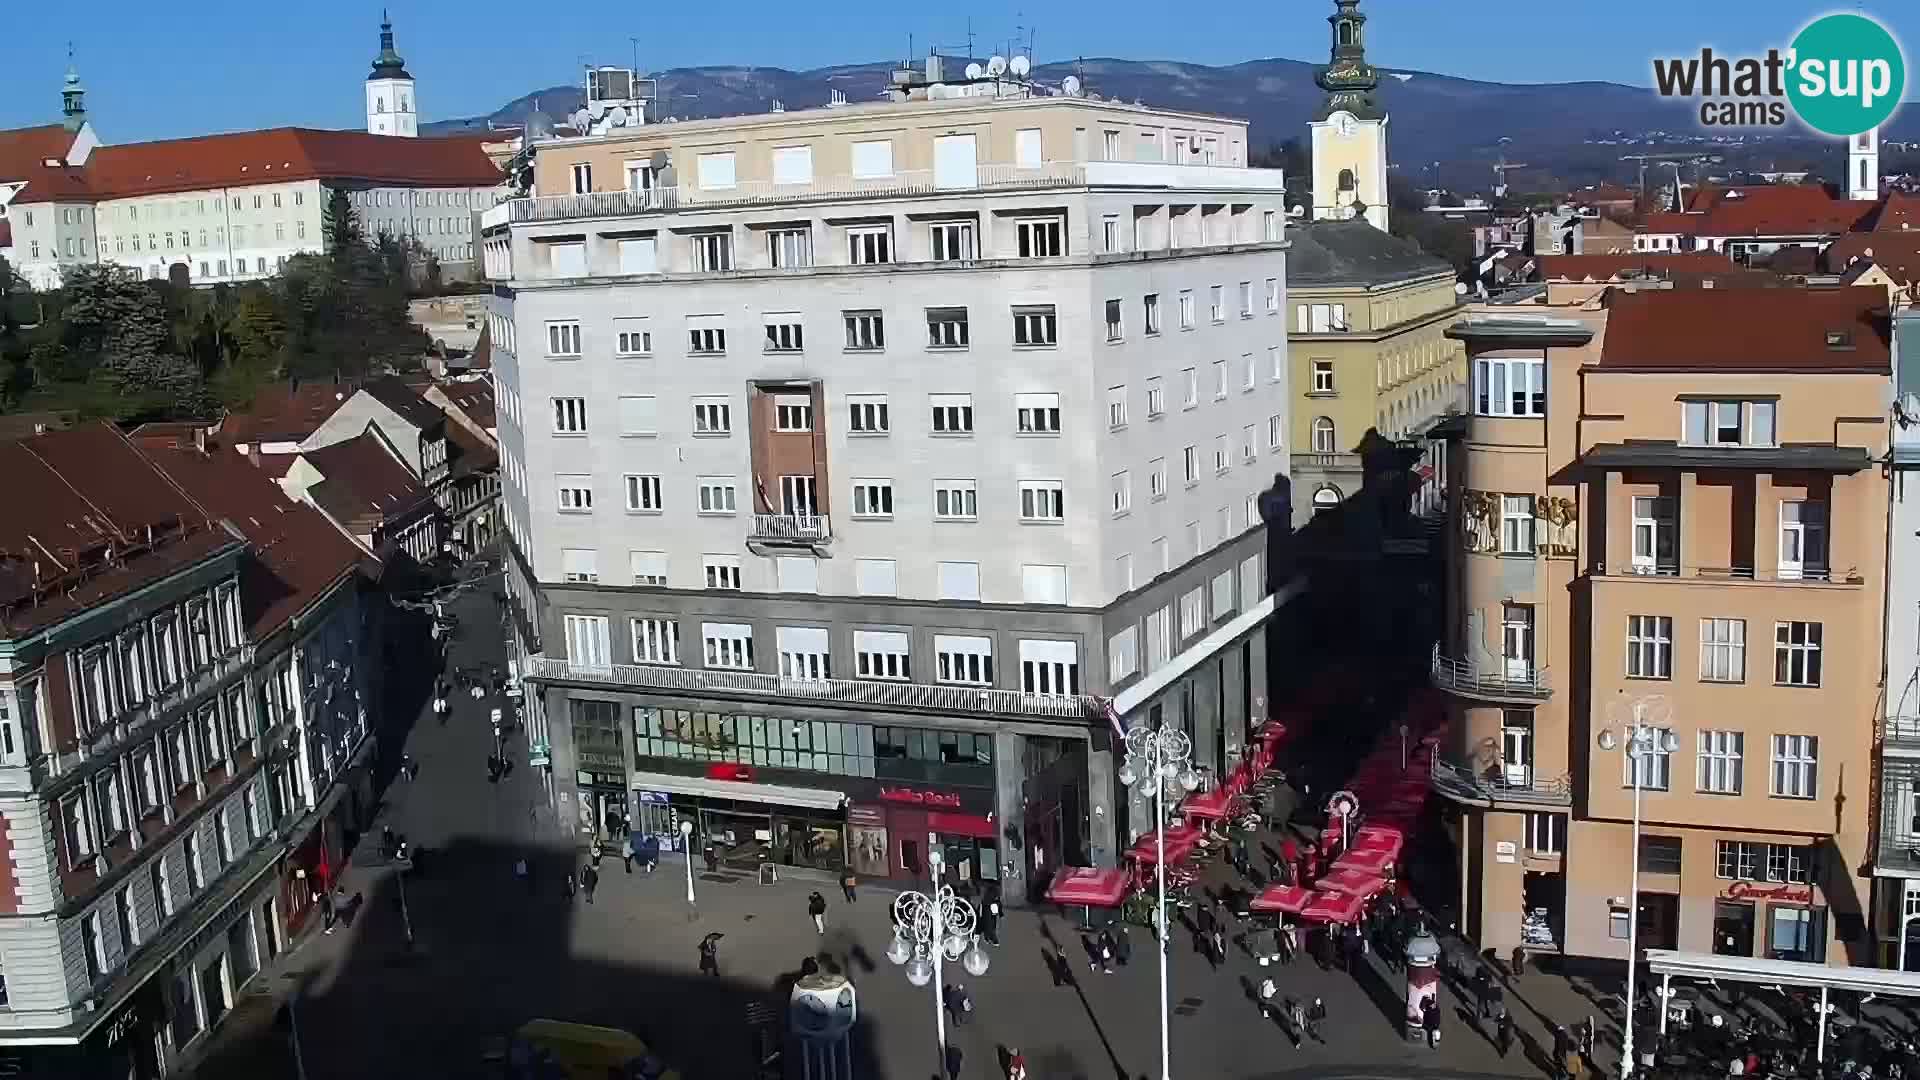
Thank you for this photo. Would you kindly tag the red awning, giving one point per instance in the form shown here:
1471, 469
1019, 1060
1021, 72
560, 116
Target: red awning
1384, 838
1355, 883
1288, 898
1089, 886
1332, 908
1206, 804
1146, 851
946, 821
1366, 861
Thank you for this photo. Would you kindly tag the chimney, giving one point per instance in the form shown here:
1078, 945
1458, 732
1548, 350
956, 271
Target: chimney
200, 439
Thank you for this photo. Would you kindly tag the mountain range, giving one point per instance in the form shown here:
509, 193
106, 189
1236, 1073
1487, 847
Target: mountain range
1434, 117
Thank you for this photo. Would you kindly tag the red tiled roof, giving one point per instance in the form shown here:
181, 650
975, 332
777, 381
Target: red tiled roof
238, 159
24, 151
475, 398
1899, 212
1602, 193
299, 554
1747, 330
1889, 246
1664, 223
1603, 267
363, 484
396, 395
284, 413
1780, 210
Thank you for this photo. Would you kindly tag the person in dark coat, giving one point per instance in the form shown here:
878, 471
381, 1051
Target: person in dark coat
1503, 1033
589, 881
1430, 1021
710, 955
817, 908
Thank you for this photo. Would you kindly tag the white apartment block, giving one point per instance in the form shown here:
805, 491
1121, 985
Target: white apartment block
807, 417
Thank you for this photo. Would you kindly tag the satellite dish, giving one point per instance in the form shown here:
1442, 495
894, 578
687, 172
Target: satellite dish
1070, 86
1459, 288
974, 70
659, 160
1020, 65
996, 66
618, 116
581, 120
598, 109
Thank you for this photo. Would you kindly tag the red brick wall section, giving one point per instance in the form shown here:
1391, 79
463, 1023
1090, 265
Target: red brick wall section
9, 888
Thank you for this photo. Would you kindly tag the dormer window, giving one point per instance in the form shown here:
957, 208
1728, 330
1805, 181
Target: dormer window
1729, 423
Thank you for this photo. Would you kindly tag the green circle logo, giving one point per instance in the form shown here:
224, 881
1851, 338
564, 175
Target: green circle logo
1847, 74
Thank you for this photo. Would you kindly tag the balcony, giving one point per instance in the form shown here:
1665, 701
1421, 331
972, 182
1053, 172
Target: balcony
903, 697
1506, 681
1784, 575
786, 532
1497, 785
1899, 849
1336, 462
1900, 735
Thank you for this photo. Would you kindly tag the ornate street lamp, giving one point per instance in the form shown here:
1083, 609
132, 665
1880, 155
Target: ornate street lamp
1637, 728
1157, 760
929, 930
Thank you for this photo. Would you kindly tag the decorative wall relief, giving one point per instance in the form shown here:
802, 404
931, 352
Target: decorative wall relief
1556, 525
1480, 521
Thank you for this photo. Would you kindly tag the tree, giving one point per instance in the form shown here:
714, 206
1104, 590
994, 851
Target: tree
116, 334
340, 227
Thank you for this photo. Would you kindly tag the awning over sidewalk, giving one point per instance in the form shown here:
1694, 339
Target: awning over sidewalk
1288, 898
1355, 883
1089, 886
1332, 908
1206, 804
1365, 861
778, 794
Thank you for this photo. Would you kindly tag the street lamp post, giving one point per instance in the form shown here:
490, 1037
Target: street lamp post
686, 841
1155, 760
929, 929
1636, 727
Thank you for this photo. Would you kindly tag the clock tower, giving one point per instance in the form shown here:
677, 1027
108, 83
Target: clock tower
1350, 130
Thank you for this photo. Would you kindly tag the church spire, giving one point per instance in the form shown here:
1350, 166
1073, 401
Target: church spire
1348, 79
73, 96
388, 64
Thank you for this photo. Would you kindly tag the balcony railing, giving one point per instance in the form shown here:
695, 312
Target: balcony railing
882, 695
1503, 681
1823, 574
1496, 785
792, 528
1901, 732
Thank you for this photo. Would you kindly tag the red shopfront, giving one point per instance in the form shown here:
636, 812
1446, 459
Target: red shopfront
892, 831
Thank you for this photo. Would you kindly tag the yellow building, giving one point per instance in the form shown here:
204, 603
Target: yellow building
1368, 349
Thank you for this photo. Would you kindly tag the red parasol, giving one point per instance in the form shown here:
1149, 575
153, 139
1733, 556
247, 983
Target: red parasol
1366, 861
1332, 908
1089, 886
1288, 898
1356, 883
1146, 851
1206, 804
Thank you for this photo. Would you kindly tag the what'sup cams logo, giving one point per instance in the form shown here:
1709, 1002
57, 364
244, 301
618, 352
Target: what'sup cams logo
1844, 74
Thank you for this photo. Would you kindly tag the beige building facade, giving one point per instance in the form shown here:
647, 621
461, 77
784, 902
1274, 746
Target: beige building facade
1670, 509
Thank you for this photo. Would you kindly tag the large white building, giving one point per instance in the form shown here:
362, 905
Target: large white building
852, 456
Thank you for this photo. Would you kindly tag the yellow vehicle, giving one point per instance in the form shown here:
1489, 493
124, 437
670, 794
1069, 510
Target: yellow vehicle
554, 1048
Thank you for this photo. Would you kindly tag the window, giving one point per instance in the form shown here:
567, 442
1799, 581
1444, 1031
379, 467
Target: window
643, 494
1320, 319
575, 494
959, 580
1323, 436
161, 882
1803, 540
1049, 668
656, 641
712, 416
94, 948
1026, 148
882, 654
952, 240
796, 574
1219, 379
1723, 650
1659, 854
1516, 525
1323, 376
1220, 456
1217, 303
1189, 388
869, 244
1113, 321
1163, 555
875, 577
563, 339
580, 565
1190, 459
1193, 613
649, 567
1040, 238
582, 176
1116, 407
1653, 535
1221, 596
715, 171
716, 495
1123, 654
1796, 761
1043, 584
1151, 313
1652, 766
74, 823
947, 328
569, 416
147, 787
1649, 647
1719, 762
1510, 386
1728, 423
1110, 233
873, 498
712, 252
190, 854
1796, 653
954, 500
1043, 500
783, 333
632, 337
787, 248
1273, 284
1747, 860
722, 572
952, 413
1039, 414
865, 330
1156, 398
793, 413
964, 660
639, 255
873, 160
1122, 492
1546, 833
705, 334
867, 414
1034, 326
728, 645
1246, 299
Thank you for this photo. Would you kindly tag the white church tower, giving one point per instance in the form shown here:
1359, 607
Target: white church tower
1350, 133
391, 106
1863, 166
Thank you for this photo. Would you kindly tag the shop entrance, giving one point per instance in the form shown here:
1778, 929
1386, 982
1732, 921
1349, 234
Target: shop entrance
1658, 919
1544, 925
1733, 928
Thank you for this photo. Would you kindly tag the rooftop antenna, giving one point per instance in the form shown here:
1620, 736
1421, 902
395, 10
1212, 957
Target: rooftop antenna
636, 54
970, 37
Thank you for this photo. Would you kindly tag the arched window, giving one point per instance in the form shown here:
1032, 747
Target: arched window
1347, 182
379, 104
1346, 33
1325, 498
1863, 172
1323, 435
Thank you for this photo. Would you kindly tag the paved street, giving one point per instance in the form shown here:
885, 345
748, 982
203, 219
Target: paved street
491, 954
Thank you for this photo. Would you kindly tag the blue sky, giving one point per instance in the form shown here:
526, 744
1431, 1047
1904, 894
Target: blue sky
157, 71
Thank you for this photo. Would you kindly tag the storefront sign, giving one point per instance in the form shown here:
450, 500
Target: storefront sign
1505, 851
866, 815
652, 797
1753, 890
721, 770
915, 797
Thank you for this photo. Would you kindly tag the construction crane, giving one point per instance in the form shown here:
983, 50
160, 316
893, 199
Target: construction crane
1676, 160
1500, 174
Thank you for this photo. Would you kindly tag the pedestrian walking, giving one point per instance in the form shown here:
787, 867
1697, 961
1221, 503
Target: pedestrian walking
817, 907
1503, 1034
1519, 961
847, 882
626, 851
1220, 943
1016, 1064
1267, 990
567, 886
1430, 1020
650, 849
595, 850
328, 913
1091, 945
1122, 946
1316, 1015
1483, 991
1106, 951
713, 859
590, 880
1296, 1022
520, 871
959, 1003
1496, 1000
710, 954
387, 842
1289, 943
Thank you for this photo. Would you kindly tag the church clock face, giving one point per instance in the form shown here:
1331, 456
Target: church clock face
1344, 123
